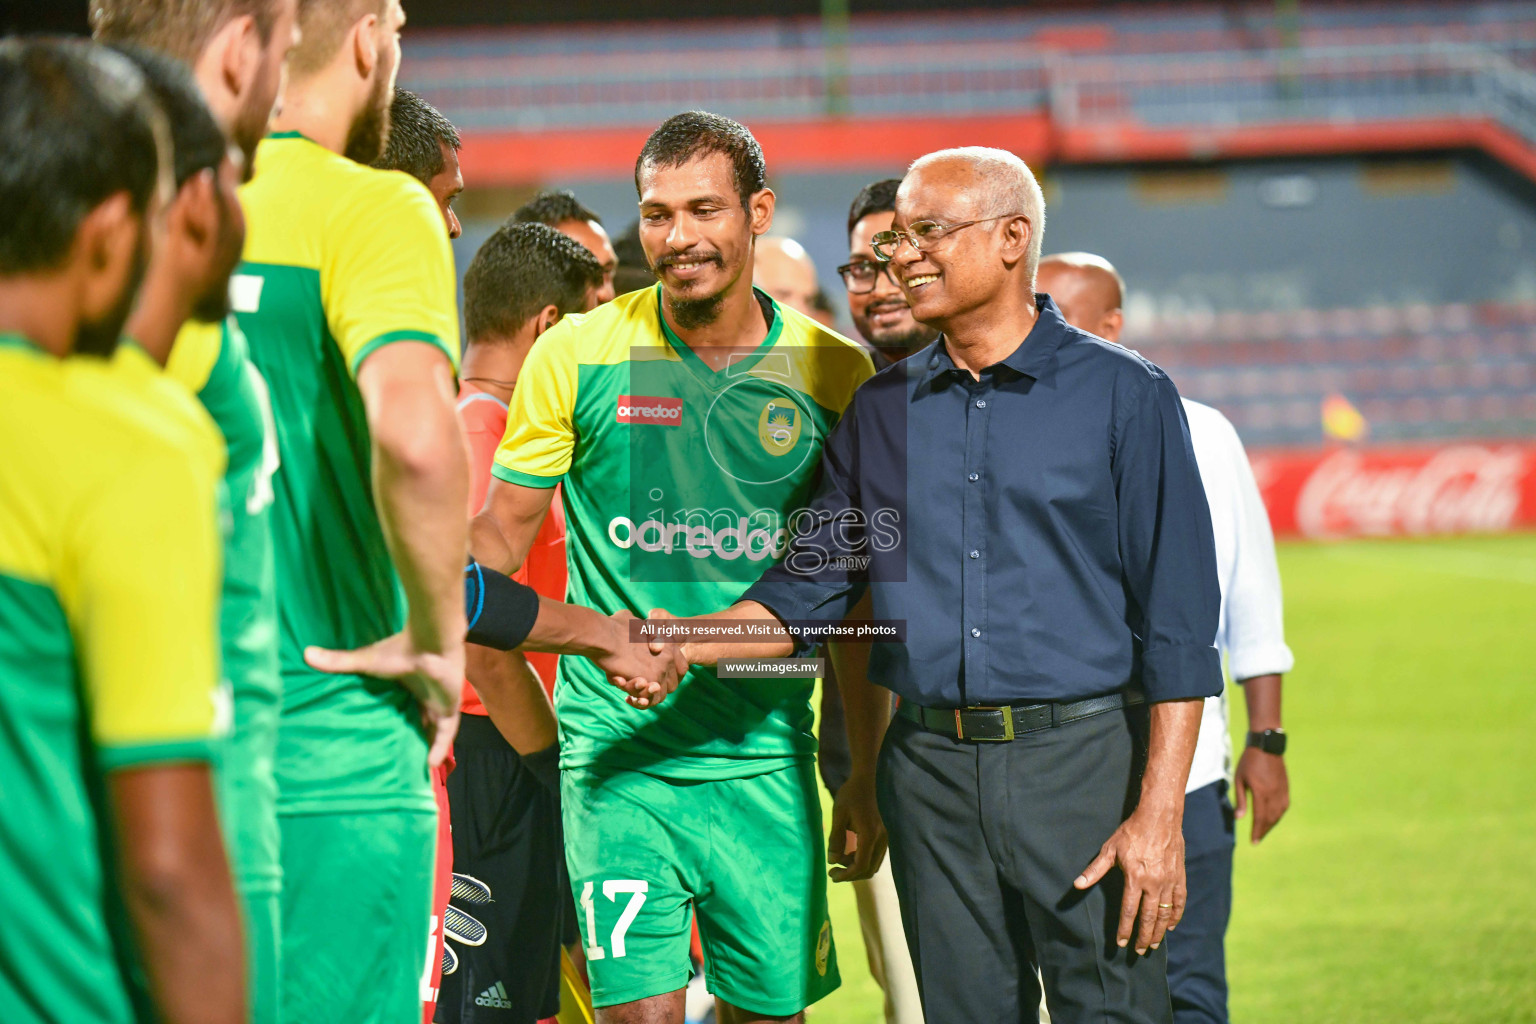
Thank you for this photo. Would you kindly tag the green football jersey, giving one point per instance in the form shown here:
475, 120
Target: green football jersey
679, 486
340, 260
214, 362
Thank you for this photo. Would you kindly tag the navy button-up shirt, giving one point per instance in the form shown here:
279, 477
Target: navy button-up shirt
1042, 531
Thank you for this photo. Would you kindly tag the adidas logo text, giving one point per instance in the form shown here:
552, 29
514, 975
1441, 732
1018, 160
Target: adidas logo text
494, 997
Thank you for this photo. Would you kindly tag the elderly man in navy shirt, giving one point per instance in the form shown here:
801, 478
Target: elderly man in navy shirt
1024, 497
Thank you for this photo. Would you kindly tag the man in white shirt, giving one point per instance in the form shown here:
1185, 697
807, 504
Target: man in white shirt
1088, 291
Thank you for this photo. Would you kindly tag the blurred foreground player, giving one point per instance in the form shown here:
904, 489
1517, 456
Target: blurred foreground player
347, 297
188, 284
512, 900
237, 50
114, 869
1089, 291
709, 803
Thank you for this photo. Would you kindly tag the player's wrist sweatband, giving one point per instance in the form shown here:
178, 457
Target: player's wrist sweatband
500, 611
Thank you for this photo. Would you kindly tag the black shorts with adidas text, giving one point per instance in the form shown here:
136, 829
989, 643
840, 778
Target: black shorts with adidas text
508, 886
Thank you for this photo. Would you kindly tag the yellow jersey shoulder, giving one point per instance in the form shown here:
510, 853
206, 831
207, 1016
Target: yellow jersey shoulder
827, 366
302, 192
162, 404
615, 332
194, 354
70, 428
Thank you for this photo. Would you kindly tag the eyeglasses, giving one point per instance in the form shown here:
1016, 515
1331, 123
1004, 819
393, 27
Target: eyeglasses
860, 276
923, 235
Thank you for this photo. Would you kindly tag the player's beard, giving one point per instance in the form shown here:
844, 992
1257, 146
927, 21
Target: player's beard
898, 346
692, 312
894, 343
370, 132
213, 305
100, 337
251, 123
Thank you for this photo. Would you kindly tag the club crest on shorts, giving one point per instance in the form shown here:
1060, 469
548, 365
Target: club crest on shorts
778, 426
823, 947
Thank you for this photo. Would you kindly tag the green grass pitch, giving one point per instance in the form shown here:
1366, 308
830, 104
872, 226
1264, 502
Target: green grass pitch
1399, 887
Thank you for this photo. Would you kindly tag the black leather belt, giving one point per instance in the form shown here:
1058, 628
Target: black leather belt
1000, 724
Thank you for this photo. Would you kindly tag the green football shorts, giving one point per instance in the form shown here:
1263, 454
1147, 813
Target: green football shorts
247, 794
745, 855
356, 916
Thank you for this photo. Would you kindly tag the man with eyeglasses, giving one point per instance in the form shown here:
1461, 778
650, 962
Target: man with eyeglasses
1055, 571
876, 302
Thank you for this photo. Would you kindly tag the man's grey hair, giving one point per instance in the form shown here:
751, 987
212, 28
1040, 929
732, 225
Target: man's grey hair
1009, 187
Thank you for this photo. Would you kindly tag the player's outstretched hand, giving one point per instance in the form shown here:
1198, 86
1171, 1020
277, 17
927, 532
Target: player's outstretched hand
435, 680
647, 673
857, 841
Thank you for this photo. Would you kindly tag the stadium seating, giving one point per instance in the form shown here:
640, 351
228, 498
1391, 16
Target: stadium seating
1423, 59
1415, 372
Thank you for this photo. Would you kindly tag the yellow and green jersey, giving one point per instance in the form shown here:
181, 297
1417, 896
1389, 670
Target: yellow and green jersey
680, 484
213, 362
109, 582
340, 260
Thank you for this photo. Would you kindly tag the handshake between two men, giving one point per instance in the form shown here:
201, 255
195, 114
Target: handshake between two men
504, 614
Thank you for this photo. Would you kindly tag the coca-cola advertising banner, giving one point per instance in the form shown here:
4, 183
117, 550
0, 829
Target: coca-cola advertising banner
1484, 487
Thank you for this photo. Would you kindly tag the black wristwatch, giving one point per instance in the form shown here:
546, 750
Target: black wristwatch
1271, 741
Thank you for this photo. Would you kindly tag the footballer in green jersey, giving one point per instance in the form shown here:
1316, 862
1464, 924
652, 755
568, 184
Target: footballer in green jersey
213, 361
684, 423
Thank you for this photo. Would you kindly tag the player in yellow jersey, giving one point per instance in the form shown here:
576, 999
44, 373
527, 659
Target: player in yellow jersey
684, 423
236, 50
347, 297
119, 905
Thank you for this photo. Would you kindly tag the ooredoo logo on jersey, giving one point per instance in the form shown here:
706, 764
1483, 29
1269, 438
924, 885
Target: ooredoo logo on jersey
658, 412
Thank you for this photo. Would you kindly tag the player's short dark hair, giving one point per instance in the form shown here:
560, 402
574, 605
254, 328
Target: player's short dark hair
180, 28
554, 207
518, 271
417, 132
682, 137
876, 197
196, 137
77, 125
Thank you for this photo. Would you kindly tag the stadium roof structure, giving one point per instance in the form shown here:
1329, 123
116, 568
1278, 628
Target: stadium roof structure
1132, 83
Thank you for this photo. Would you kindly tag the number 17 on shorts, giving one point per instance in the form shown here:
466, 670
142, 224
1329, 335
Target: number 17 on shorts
613, 890
744, 855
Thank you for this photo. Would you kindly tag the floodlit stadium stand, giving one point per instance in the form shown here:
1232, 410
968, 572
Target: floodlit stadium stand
1237, 165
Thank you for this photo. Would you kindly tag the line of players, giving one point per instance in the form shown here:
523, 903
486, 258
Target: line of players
332, 385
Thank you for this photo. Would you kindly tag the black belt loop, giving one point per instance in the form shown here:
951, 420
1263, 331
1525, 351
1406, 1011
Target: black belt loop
1001, 724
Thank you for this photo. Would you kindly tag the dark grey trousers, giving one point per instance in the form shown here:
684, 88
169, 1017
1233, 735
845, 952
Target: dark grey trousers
986, 840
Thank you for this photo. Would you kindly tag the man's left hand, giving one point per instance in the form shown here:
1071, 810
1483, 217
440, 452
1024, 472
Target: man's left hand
435, 680
857, 839
1262, 778
1148, 848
